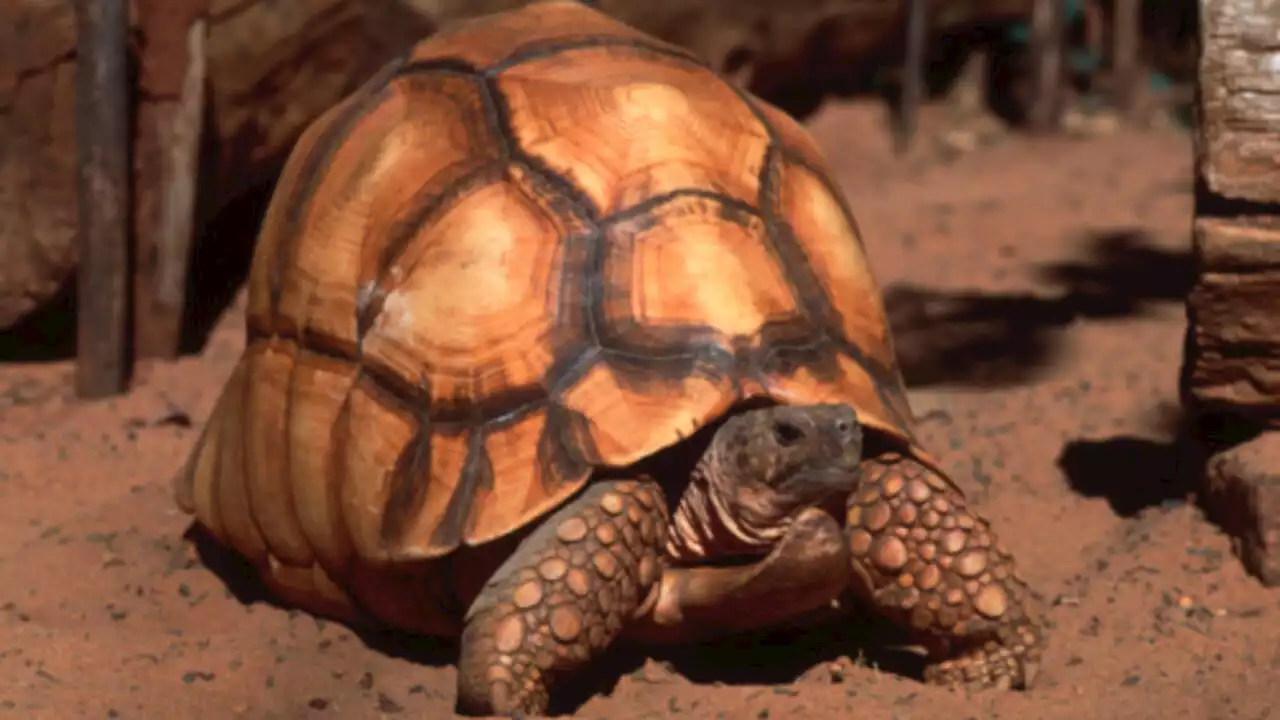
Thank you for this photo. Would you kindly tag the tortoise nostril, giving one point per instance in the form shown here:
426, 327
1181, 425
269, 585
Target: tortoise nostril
786, 433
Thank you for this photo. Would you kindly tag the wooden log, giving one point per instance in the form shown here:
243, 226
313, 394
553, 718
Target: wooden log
1232, 362
102, 142
1048, 24
912, 92
1239, 147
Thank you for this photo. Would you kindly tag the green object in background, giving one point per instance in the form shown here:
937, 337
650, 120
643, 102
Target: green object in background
1085, 61
1080, 60
1020, 33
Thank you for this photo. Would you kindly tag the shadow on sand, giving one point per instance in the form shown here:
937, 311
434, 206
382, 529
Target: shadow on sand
1134, 474
992, 340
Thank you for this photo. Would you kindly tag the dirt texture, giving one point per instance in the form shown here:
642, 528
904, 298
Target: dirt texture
1036, 288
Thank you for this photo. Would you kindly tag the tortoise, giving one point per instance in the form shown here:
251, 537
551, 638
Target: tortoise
555, 337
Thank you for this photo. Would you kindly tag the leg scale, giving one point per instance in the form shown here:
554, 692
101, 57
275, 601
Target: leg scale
927, 561
561, 598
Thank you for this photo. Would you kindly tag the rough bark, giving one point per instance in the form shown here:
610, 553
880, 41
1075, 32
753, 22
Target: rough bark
272, 66
1239, 139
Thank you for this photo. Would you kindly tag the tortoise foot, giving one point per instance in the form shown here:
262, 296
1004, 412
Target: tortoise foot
561, 598
1008, 661
925, 560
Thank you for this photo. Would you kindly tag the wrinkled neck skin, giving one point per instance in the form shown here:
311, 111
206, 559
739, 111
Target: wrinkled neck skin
705, 527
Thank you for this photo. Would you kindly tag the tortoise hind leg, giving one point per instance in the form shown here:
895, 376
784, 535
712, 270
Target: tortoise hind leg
927, 561
561, 598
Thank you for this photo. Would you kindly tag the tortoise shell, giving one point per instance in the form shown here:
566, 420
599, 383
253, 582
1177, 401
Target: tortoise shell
541, 244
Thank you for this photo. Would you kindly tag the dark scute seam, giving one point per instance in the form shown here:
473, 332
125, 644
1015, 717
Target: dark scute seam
409, 479
454, 66
583, 205
565, 450
543, 49
647, 206
404, 395
475, 477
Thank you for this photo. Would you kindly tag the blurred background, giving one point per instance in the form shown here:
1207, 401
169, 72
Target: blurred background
267, 68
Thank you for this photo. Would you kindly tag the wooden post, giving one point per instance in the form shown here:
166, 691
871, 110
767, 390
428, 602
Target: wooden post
912, 86
1047, 26
1126, 32
180, 136
102, 196
172, 77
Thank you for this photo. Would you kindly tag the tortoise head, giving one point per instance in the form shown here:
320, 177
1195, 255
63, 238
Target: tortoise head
762, 467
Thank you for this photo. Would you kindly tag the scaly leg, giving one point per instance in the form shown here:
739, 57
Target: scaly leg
924, 559
561, 598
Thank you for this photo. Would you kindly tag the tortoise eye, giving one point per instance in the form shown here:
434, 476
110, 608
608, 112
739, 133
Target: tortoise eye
786, 433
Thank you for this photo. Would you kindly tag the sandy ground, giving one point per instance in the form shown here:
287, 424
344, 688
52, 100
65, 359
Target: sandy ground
1035, 287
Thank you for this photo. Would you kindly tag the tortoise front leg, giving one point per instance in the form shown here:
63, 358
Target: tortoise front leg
924, 559
561, 598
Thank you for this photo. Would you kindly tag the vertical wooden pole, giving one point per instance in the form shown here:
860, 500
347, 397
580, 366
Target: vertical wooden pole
102, 196
172, 76
179, 128
912, 93
1126, 32
1048, 23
